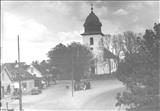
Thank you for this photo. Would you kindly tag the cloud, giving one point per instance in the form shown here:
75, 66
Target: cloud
101, 12
110, 27
28, 29
10, 25
42, 25
68, 37
135, 5
120, 12
35, 38
135, 19
138, 29
150, 3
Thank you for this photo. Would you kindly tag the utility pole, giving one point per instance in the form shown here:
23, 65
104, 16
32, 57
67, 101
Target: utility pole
72, 76
20, 89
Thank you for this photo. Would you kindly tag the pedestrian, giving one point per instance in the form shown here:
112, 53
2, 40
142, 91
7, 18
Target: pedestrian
67, 86
84, 86
8, 89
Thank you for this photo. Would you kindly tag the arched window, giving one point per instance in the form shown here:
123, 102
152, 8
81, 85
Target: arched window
91, 41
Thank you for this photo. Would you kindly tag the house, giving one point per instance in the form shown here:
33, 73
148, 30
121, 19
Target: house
41, 74
10, 76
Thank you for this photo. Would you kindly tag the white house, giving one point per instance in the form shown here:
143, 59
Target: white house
10, 76
34, 71
40, 73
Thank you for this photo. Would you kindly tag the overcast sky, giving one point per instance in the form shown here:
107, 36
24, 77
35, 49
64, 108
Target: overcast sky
42, 25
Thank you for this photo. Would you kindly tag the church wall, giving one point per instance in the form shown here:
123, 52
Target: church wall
95, 46
100, 67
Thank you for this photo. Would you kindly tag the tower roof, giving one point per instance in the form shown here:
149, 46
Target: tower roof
92, 19
92, 24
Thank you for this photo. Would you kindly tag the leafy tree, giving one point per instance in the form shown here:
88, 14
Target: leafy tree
57, 59
139, 72
74, 58
35, 62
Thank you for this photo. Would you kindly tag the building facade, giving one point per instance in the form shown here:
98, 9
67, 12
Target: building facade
42, 76
10, 76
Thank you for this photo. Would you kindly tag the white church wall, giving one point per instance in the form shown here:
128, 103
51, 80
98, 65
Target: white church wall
101, 67
95, 46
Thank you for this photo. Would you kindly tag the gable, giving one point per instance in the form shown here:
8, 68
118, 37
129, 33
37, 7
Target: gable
32, 70
15, 74
5, 76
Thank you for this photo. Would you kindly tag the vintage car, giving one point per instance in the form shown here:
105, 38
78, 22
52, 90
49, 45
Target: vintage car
82, 85
15, 97
35, 91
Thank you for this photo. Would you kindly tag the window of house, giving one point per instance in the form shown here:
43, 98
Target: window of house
2, 76
91, 41
32, 70
24, 85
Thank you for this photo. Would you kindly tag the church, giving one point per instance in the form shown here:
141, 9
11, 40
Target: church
94, 38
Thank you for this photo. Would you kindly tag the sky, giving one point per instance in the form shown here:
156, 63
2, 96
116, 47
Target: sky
41, 25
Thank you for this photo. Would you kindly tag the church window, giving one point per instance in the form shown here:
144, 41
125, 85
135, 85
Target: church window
91, 41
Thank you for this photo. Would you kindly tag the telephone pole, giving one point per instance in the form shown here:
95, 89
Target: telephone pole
72, 75
20, 89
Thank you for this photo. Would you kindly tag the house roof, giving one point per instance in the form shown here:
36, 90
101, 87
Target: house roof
108, 54
41, 69
17, 73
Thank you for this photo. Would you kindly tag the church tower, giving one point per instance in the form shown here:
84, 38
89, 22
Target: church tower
92, 31
92, 35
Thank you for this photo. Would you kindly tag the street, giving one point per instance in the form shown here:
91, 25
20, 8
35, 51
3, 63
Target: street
58, 97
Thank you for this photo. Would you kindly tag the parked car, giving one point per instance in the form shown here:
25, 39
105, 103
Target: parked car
35, 91
15, 97
82, 85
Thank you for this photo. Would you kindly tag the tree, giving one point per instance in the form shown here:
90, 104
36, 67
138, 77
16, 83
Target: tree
57, 59
106, 55
35, 62
74, 58
125, 43
139, 72
118, 45
130, 42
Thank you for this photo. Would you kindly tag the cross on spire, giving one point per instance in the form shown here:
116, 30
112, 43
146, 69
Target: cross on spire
91, 7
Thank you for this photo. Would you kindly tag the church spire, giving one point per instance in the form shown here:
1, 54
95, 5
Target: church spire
91, 7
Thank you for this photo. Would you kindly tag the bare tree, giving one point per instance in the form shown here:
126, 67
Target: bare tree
117, 47
105, 45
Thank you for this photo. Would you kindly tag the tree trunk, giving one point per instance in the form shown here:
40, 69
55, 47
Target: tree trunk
109, 63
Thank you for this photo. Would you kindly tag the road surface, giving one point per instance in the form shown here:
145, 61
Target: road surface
57, 97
